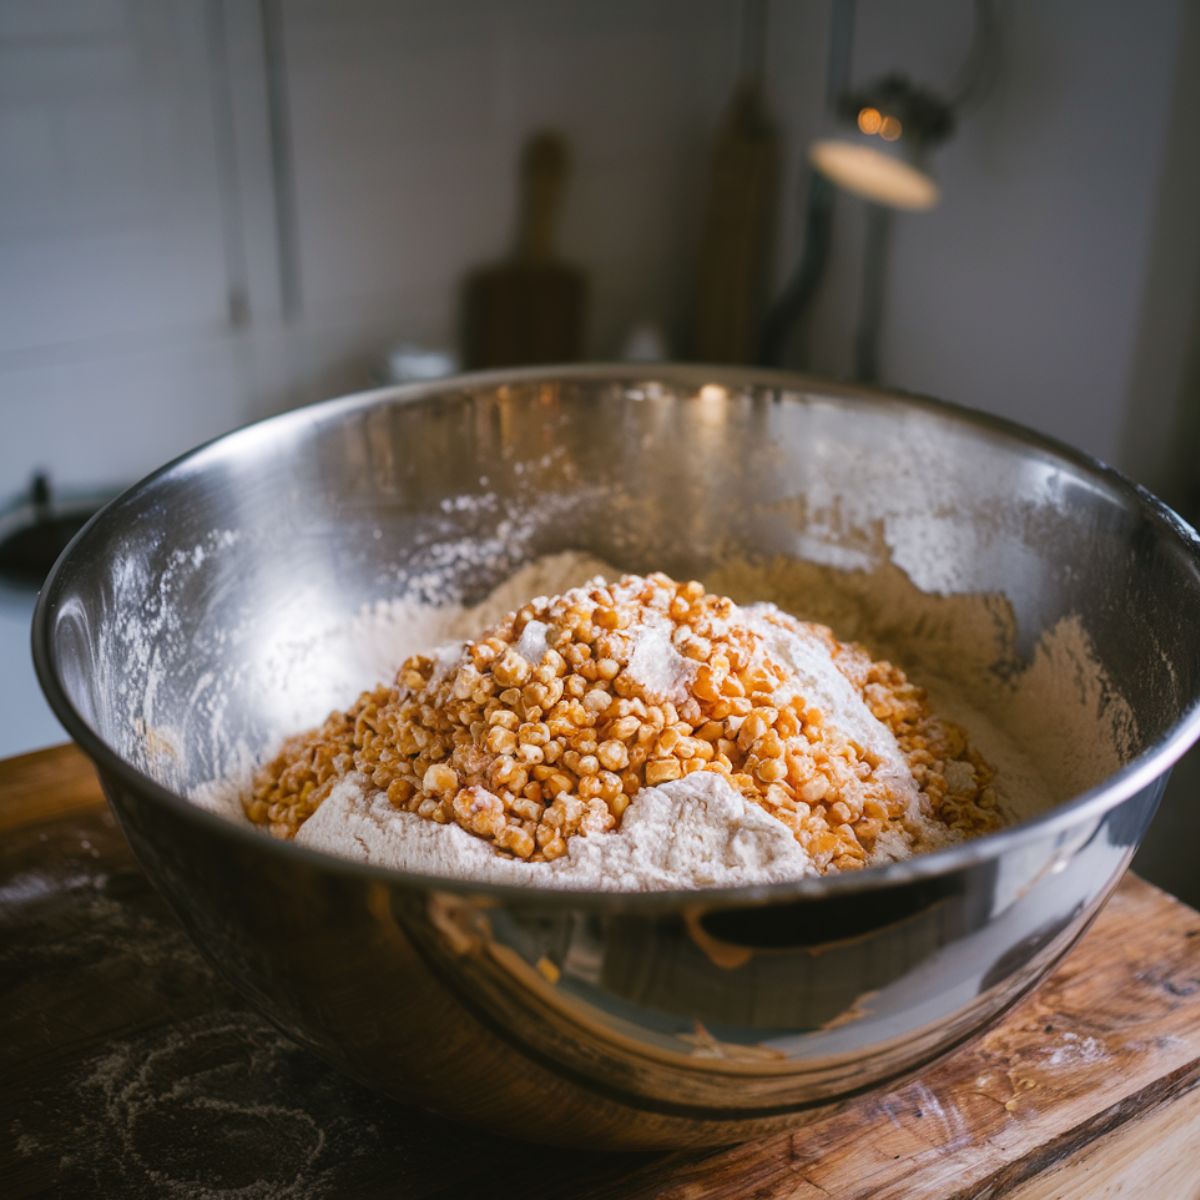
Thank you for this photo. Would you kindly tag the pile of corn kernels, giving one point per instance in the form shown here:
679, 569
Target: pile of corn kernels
541, 731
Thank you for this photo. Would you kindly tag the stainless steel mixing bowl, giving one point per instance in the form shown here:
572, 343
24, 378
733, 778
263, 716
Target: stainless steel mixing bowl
634, 1020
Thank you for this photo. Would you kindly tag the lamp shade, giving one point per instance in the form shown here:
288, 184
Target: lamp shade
879, 145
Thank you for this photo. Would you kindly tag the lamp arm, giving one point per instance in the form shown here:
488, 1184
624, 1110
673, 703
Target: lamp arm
977, 75
780, 322
789, 307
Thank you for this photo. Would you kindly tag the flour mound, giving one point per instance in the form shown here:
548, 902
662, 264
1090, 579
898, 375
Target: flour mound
691, 833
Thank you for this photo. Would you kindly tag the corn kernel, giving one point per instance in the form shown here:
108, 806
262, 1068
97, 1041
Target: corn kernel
662, 770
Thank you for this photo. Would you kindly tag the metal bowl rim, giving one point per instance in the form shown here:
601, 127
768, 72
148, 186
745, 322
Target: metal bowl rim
1093, 802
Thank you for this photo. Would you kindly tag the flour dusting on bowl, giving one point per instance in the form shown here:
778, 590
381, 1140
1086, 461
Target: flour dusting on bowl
686, 826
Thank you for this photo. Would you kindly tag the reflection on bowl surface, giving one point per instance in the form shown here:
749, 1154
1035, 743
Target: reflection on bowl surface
663, 1019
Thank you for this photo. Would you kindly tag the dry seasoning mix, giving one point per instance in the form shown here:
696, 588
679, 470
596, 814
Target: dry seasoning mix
549, 724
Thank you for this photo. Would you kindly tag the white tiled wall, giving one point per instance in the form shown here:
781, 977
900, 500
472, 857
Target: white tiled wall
128, 234
138, 209
110, 220
113, 303
408, 121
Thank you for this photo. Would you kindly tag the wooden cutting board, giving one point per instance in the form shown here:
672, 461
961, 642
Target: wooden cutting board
127, 1067
530, 308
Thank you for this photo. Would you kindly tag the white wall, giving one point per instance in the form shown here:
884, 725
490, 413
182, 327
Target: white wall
112, 278
1024, 291
406, 121
1161, 441
139, 278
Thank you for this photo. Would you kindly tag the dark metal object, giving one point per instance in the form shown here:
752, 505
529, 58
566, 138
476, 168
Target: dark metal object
674, 1019
876, 252
283, 170
977, 75
926, 118
36, 528
780, 323
233, 233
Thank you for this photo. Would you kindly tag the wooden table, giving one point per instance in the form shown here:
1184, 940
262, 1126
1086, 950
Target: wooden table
128, 1068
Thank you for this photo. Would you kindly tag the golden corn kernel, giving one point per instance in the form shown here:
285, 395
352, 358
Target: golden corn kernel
501, 740
577, 730
771, 770
662, 770
814, 789
613, 755
440, 778
625, 728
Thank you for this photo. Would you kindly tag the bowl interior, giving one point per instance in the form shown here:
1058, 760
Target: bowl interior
204, 614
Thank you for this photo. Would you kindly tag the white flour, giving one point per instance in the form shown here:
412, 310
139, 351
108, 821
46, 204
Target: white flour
657, 665
693, 832
808, 663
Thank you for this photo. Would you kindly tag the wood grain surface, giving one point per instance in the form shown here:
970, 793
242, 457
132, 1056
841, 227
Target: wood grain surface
129, 1068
